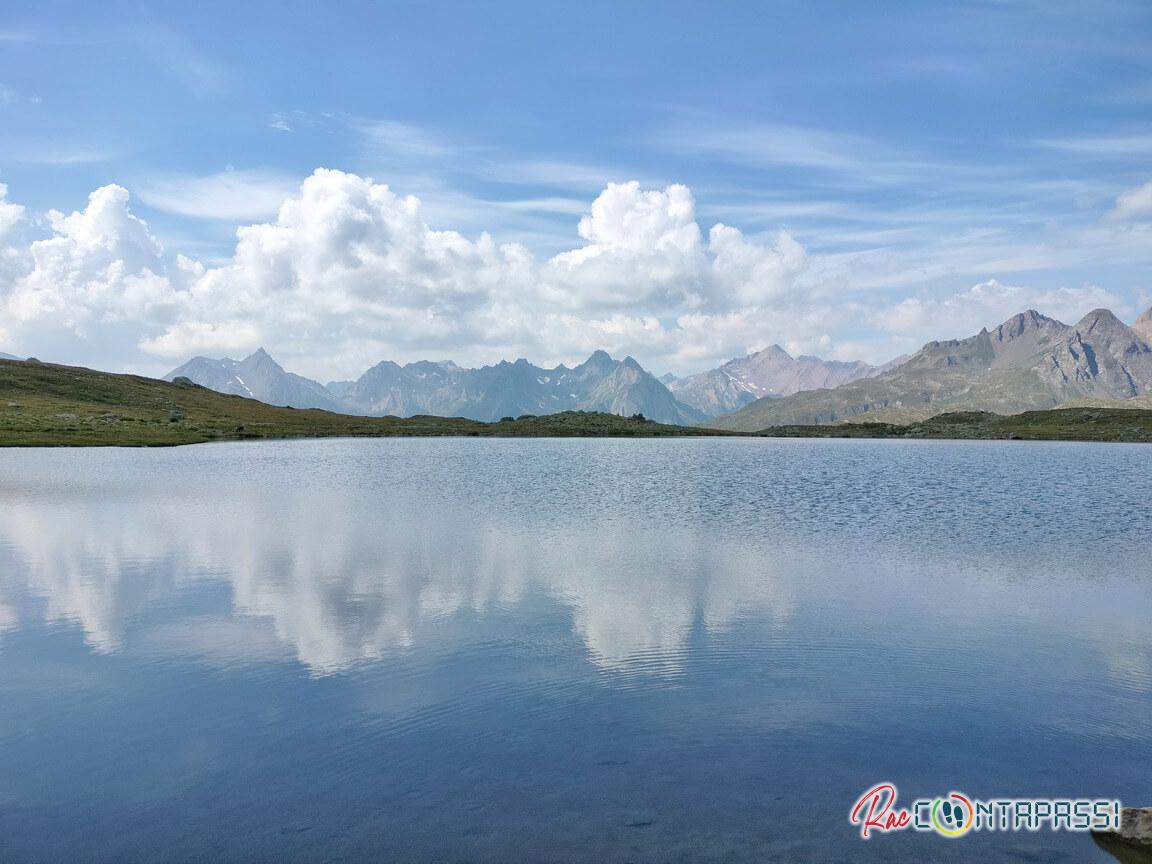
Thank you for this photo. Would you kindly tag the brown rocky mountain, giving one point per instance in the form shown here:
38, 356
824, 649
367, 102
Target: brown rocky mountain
1029, 362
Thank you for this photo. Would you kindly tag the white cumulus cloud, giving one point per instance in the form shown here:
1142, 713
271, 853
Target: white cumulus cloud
98, 278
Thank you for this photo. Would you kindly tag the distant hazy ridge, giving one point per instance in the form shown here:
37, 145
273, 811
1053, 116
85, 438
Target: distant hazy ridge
447, 390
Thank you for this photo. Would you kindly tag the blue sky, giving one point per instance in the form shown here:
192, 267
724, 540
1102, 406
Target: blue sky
889, 173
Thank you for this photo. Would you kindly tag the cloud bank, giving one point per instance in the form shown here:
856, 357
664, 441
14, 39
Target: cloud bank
350, 272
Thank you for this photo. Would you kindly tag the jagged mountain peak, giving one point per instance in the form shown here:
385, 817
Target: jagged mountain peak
257, 376
598, 360
1021, 322
261, 359
1099, 319
1009, 344
383, 365
773, 353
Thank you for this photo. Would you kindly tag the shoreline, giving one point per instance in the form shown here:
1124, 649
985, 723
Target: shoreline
1103, 425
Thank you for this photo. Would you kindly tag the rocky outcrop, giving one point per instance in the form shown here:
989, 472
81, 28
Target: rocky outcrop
1132, 844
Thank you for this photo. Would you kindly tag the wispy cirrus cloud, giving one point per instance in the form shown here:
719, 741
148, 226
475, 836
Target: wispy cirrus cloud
230, 195
201, 76
768, 144
1107, 146
829, 159
566, 206
394, 139
64, 154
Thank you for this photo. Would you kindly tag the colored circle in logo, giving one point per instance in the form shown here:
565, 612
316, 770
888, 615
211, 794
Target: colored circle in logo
952, 816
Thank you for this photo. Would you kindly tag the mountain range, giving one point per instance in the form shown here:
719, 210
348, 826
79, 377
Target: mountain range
600, 383
489, 393
1029, 362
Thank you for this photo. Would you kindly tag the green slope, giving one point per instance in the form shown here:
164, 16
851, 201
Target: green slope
43, 404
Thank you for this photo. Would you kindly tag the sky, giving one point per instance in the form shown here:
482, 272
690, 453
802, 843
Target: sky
683, 182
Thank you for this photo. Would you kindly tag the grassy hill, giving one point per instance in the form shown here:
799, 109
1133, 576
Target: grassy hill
48, 405
43, 404
1061, 424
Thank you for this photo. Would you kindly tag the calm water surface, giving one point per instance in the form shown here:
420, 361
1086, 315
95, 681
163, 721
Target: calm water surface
579, 651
